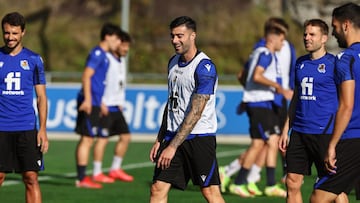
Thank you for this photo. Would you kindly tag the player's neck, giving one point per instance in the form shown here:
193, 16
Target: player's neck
189, 55
318, 54
353, 38
14, 51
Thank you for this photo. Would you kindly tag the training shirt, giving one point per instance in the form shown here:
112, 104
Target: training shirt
255, 94
347, 68
114, 93
98, 61
18, 76
317, 100
198, 76
286, 60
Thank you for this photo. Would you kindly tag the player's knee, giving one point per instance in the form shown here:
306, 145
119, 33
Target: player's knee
30, 179
293, 183
126, 138
212, 193
157, 190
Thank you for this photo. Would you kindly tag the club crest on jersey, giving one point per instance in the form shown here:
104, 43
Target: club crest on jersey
321, 68
24, 64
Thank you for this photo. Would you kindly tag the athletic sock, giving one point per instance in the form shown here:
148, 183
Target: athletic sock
81, 172
97, 168
270, 174
254, 174
241, 177
232, 168
116, 163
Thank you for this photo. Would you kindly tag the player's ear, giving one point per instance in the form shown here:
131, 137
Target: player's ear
324, 38
193, 36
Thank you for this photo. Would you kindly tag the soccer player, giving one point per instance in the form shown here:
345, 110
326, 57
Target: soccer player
185, 147
114, 123
90, 106
286, 58
21, 72
342, 159
263, 95
312, 110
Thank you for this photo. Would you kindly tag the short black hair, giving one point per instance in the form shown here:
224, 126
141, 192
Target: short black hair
14, 19
348, 11
110, 29
125, 37
183, 20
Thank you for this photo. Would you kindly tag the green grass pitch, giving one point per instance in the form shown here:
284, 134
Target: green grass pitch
58, 180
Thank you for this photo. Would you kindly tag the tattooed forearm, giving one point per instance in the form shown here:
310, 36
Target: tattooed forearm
198, 103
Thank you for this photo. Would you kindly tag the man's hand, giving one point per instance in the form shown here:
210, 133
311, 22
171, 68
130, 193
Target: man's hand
42, 141
283, 142
154, 151
165, 157
330, 161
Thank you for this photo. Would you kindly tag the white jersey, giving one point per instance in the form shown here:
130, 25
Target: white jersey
115, 82
255, 92
181, 87
284, 61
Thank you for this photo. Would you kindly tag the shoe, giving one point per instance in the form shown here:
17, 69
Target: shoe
120, 175
103, 178
253, 189
275, 191
87, 183
224, 179
240, 190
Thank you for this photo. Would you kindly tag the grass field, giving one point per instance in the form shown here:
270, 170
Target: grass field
57, 181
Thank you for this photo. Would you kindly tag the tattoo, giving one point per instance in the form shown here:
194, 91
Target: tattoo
198, 103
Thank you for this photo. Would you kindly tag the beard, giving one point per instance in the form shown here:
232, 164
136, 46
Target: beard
341, 42
341, 39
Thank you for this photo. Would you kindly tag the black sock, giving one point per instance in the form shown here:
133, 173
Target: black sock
270, 175
241, 177
81, 172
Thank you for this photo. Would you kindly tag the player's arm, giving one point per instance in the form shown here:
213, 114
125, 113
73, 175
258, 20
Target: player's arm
86, 85
343, 116
160, 137
163, 127
283, 141
42, 107
198, 103
259, 78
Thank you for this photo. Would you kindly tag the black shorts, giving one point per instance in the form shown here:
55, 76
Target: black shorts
348, 168
113, 124
195, 159
88, 125
19, 152
263, 122
304, 150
